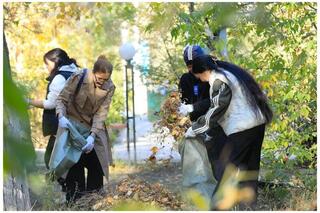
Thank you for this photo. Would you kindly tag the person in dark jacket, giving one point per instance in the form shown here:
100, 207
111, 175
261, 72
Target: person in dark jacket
60, 67
240, 107
195, 100
194, 93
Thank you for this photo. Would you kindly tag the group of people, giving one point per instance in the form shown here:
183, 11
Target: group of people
229, 110
224, 102
83, 96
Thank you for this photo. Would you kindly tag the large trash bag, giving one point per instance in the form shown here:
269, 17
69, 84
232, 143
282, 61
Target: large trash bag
196, 168
67, 149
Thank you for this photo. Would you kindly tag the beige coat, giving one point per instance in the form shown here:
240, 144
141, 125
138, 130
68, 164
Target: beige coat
90, 107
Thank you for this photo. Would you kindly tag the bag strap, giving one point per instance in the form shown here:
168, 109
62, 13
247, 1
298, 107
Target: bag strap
77, 91
80, 82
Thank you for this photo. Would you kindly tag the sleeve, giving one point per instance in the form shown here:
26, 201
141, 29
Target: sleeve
185, 89
202, 106
102, 113
220, 101
55, 88
67, 93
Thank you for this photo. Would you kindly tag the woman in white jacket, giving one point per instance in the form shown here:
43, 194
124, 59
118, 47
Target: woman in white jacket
60, 67
240, 107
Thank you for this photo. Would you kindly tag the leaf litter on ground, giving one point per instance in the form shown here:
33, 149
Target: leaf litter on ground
132, 190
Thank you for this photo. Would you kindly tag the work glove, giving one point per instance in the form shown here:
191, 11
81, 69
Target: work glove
184, 109
63, 122
90, 144
190, 133
207, 138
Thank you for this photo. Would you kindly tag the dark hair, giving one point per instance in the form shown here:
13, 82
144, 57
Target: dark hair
251, 87
60, 58
102, 65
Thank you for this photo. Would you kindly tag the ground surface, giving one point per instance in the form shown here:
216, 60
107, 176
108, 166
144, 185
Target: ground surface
155, 184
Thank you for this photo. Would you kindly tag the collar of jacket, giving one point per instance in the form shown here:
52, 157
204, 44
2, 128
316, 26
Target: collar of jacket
213, 75
95, 94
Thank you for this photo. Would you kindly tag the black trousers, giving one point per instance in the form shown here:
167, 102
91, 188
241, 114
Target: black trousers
49, 149
75, 181
242, 150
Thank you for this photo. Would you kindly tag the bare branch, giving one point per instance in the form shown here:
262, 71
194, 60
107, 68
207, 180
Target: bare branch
315, 9
171, 61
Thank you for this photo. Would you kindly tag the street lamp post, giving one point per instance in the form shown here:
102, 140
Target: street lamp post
127, 52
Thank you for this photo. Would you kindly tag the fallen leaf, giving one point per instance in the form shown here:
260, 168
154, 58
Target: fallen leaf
154, 150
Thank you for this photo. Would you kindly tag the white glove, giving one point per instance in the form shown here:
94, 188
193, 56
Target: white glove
190, 133
63, 122
184, 109
90, 144
207, 138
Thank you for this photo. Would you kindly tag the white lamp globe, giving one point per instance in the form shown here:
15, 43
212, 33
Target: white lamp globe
127, 51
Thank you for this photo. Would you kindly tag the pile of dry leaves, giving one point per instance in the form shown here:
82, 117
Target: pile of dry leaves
132, 190
171, 119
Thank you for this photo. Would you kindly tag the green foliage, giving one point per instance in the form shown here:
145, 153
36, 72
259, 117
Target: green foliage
155, 21
276, 43
84, 30
18, 153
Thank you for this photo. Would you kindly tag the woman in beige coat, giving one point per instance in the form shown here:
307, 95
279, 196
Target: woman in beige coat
86, 99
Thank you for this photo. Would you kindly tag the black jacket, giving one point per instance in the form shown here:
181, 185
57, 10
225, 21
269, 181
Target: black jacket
195, 92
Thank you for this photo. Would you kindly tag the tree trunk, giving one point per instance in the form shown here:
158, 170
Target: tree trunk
16, 193
15, 187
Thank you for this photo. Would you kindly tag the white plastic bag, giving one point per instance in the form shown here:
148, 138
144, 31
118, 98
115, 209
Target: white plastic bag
196, 167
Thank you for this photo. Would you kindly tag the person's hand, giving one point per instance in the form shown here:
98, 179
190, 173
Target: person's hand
207, 138
90, 144
190, 133
28, 102
184, 109
63, 122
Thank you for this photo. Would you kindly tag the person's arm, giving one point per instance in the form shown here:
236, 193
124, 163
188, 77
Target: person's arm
55, 88
200, 108
36, 103
66, 94
100, 116
186, 89
220, 101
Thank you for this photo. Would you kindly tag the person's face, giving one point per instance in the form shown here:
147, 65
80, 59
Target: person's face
49, 64
189, 67
100, 78
204, 77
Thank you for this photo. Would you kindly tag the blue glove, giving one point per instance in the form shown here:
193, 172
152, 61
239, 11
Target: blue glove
90, 144
63, 122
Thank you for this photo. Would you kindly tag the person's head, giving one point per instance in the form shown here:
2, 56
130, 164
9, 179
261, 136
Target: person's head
56, 58
190, 52
202, 67
102, 70
205, 64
